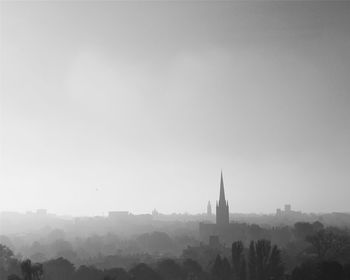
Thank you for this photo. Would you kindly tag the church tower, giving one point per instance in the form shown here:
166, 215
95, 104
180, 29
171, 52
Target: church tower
209, 213
222, 211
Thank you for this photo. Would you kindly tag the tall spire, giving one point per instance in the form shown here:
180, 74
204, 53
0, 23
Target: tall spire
209, 213
222, 191
222, 211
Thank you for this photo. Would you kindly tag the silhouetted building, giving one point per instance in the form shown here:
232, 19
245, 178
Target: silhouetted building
222, 229
290, 216
287, 208
222, 211
287, 211
209, 213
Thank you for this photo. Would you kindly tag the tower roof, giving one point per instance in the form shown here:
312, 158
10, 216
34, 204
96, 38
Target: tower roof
222, 190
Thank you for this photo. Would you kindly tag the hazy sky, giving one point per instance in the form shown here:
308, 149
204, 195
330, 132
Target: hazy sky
134, 106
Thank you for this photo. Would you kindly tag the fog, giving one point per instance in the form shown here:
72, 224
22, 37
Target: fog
139, 105
174, 140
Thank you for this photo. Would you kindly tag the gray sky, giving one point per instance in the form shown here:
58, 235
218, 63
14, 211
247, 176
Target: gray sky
134, 106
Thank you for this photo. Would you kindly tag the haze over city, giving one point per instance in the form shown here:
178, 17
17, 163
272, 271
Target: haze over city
135, 106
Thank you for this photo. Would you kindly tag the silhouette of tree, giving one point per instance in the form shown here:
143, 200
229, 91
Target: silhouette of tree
255, 231
319, 271
116, 274
87, 273
252, 262
265, 261
31, 271
37, 271
281, 236
168, 269
306, 271
238, 261
26, 267
204, 255
143, 272
9, 265
221, 269
13, 277
331, 271
6, 255
226, 268
192, 269
243, 272
302, 230
58, 269
330, 246
156, 242
317, 226
5, 241
347, 271
216, 270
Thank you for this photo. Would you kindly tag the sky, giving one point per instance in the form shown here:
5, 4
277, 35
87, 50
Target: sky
133, 106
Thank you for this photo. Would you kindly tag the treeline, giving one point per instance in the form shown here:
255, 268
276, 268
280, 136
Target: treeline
317, 253
260, 261
99, 248
58, 243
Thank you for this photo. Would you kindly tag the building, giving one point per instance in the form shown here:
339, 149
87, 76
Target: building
287, 211
222, 230
209, 213
222, 210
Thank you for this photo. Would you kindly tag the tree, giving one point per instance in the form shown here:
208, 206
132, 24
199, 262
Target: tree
143, 272
116, 274
6, 255
238, 261
226, 269
9, 265
221, 269
306, 271
26, 268
156, 242
31, 271
328, 270
192, 269
265, 261
88, 273
255, 231
317, 226
331, 271
37, 271
58, 269
252, 262
329, 246
169, 269
216, 270
13, 277
302, 230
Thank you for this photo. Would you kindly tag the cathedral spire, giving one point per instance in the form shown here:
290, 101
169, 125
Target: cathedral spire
222, 209
222, 190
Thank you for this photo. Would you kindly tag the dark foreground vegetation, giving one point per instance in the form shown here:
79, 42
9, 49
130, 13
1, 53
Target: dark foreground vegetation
316, 253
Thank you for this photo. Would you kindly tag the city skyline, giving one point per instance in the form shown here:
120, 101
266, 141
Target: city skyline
133, 105
222, 206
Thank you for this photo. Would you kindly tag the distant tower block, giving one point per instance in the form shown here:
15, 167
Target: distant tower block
209, 213
222, 211
287, 208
